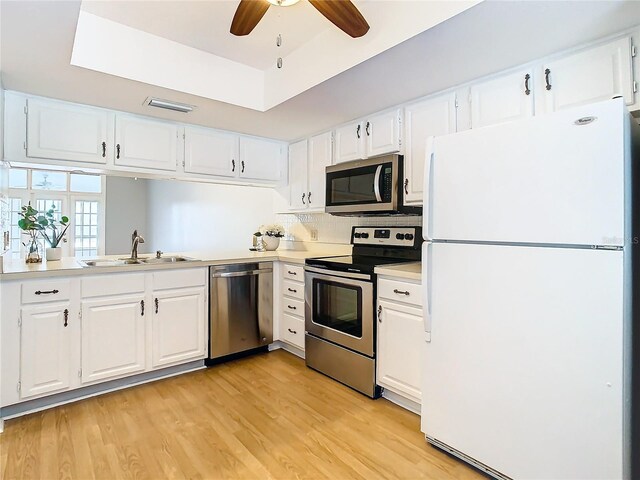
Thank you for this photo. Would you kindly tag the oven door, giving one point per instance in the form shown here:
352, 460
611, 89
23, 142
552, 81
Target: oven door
340, 309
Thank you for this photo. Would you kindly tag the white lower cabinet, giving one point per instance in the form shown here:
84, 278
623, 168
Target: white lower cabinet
113, 337
291, 302
400, 343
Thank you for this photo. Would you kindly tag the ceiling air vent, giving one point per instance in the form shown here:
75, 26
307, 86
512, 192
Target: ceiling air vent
169, 105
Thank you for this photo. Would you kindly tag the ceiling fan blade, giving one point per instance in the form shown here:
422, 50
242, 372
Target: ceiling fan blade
344, 15
247, 16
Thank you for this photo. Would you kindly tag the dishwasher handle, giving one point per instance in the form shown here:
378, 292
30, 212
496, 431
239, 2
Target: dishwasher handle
241, 274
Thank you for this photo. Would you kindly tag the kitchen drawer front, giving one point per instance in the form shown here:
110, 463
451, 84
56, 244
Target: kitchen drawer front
293, 272
189, 277
293, 289
46, 291
293, 306
115, 284
399, 291
293, 330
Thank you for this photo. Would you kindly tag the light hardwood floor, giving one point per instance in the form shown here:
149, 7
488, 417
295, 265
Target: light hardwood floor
265, 416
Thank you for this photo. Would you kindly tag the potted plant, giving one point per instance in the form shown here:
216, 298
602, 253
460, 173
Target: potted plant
32, 224
271, 235
53, 232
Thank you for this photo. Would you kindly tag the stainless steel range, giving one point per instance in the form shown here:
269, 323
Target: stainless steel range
340, 296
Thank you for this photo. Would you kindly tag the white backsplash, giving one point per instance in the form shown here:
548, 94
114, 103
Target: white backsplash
325, 228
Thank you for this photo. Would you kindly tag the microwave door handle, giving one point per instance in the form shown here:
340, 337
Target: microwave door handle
376, 183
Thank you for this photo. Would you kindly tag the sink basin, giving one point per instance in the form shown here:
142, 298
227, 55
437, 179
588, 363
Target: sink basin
167, 260
108, 262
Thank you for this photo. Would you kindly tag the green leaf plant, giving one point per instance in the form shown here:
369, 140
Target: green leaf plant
54, 229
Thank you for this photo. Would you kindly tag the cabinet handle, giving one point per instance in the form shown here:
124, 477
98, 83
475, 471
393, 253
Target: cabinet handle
367, 129
358, 131
291, 308
400, 292
547, 72
118, 151
104, 149
380, 313
242, 165
303, 202
406, 186
141, 308
292, 289
526, 84
156, 302
292, 331
233, 165
66, 317
291, 273
47, 292
309, 198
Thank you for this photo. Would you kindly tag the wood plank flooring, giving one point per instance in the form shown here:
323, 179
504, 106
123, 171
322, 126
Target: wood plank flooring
263, 417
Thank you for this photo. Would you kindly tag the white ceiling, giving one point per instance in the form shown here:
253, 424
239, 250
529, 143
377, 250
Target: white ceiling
37, 37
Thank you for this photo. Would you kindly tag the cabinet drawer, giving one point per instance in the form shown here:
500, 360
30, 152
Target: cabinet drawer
293, 289
293, 330
293, 306
46, 291
116, 284
189, 277
399, 291
293, 272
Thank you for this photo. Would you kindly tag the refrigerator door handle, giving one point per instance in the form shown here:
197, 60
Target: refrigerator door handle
427, 203
428, 288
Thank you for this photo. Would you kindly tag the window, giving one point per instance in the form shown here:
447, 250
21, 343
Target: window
77, 196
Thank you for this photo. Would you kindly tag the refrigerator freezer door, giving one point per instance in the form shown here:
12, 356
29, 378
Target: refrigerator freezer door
524, 368
551, 179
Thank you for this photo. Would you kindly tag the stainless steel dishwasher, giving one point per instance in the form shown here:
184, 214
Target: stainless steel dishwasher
241, 309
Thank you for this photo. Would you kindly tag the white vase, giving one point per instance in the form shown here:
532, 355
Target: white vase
271, 243
53, 254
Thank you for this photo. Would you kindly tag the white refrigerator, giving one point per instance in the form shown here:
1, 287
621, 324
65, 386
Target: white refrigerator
528, 295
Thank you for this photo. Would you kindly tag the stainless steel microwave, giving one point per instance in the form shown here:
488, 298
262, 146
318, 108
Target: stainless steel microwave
367, 187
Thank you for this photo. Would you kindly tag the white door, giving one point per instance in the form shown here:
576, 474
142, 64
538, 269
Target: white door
382, 133
145, 143
210, 152
113, 342
349, 143
502, 99
178, 326
541, 180
525, 360
298, 175
400, 344
596, 74
433, 117
68, 132
319, 160
45, 349
261, 159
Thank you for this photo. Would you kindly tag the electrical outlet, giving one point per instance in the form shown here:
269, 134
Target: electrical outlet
313, 234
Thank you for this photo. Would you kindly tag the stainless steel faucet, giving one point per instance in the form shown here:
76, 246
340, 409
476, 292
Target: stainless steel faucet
135, 240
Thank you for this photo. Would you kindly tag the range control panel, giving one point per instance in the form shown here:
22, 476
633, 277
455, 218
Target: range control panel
387, 236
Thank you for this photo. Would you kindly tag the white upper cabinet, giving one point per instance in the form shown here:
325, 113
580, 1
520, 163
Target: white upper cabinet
261, 159
210, 152
65, 131
349, 142
145, 143
592, 75
382, 133
298, 175
319, 160
432, 117
502, 99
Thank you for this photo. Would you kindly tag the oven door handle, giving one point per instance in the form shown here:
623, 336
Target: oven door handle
376, 184
323, 274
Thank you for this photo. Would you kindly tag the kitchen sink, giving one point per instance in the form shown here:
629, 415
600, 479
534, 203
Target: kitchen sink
109, 262
173, 259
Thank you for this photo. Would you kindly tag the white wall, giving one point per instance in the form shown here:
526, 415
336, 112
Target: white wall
186, 216
125, 210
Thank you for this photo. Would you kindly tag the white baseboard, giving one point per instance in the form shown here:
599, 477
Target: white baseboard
402, 401
288, 347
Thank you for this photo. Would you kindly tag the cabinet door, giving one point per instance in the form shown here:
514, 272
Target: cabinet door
319, 160
596, 74
260, 159
298, 175
382, 133
178, 326
400, 343
502, 99
113, 342
210, 152
432, 117
146, 143
45, 349
68, 132
349, 142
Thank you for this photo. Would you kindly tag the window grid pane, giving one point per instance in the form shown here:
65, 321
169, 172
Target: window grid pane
86, 229
15, 235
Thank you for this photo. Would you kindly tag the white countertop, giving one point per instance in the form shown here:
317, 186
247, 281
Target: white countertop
411, 271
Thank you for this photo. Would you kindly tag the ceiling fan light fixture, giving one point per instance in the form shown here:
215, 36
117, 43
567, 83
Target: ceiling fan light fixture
169, 105
283, 3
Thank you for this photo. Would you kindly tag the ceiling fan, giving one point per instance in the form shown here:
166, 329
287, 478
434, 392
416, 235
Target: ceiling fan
342, 13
